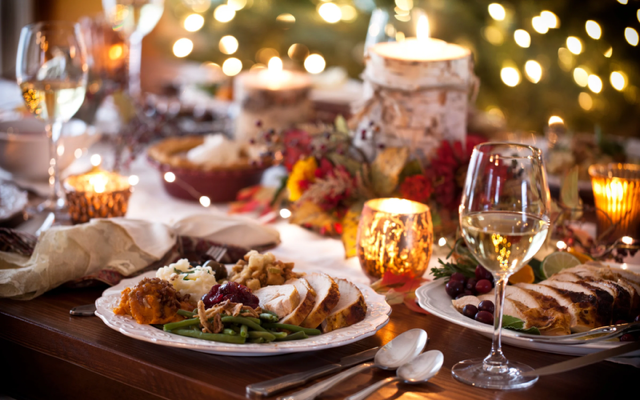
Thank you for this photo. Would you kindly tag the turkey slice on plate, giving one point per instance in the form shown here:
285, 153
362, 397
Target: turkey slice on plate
350, 309
280, 299
327, 296
307, 301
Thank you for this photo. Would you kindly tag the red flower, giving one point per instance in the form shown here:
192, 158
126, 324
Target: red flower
297, 144
416, 188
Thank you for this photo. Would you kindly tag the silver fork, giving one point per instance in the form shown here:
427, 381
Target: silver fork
607, 332
217, 252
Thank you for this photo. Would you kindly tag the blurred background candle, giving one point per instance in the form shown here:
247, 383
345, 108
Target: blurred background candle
270, 98
394, 235
97, 194
616, 189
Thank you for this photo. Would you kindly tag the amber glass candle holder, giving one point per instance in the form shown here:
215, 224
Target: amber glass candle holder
97, 194
616, 190
394, 235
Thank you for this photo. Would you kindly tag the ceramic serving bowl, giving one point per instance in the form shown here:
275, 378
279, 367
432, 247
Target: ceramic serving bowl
24, 147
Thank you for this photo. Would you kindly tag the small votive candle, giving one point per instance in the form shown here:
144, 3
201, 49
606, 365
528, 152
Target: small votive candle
616, 190
97, 194
394, 235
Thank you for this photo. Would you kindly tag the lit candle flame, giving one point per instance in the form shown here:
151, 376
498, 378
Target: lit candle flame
422, 28
275, 64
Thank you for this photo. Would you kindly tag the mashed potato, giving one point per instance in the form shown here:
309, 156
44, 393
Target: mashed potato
193, 281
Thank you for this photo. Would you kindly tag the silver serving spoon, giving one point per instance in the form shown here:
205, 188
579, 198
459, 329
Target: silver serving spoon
418, 370
401, 350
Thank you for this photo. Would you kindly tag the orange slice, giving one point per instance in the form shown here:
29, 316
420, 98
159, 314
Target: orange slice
584, 258
525, 275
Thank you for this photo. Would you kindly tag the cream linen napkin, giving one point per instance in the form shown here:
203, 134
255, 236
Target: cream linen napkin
66, 253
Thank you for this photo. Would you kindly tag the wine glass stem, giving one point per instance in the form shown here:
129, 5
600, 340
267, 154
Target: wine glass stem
135, 62
496, 362
56, 196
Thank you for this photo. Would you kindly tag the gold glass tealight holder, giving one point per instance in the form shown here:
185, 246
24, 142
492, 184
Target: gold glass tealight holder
616, 190
394, 235
97, 194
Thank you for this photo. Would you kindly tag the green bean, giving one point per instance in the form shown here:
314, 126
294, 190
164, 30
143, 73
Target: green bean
180, 324
228, 331
270, 312
246, 321
279, 335
244, 330
293, 328
268, 337
234, 327
216, 337
186, 313
257, 340
269, 317
294, 336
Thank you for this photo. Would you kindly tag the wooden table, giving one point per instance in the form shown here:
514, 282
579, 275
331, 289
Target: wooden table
48, 354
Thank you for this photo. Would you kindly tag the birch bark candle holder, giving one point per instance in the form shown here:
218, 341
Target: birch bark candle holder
97, 194
276, 98
417, 91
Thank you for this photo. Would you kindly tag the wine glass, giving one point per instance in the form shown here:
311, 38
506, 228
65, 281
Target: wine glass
51, 70
504, 218
134, 19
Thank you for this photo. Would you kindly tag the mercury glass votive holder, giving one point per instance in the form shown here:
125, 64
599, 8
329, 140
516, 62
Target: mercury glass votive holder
616, 190
394, 235
97, 194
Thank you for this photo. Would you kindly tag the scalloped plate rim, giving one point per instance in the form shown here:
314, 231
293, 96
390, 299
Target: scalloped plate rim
128, 327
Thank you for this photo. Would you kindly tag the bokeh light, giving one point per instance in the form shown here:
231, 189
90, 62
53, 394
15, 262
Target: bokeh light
550, 19
133, 180
349, 12
585, 101
314, 64
539, 25
285, 213
224, 13
593, 29
497, 12
170, 177
631, 35
231, 66
228, 44
95, 159
287, 18
609, 52
581, 76
618, 80
193, 22
493, 35
205, 201
510, 76
574, 45
330, 12
595, 83
298, 51
522, 38
533, 70
182, 47
554, 119
237, 5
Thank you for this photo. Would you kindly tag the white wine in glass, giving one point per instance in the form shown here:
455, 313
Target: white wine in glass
51, 70
134, 19
504, 218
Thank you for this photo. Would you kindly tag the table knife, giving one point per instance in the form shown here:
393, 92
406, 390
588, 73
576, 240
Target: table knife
270, 387
87, 310
584, 360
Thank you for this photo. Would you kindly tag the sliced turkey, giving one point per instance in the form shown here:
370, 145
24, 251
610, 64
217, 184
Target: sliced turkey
327, 296
350, 309
280, 299
307, 301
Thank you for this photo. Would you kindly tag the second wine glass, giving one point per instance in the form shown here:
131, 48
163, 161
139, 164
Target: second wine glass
504, 218
51, 70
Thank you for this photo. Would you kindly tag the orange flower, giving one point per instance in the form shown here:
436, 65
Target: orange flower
302, 175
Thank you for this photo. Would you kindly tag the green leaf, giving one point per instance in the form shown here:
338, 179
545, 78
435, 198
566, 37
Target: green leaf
516, 324
413, 167
536, 266
349, 163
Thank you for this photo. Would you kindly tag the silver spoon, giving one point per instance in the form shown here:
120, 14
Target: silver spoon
418, 370
401, 350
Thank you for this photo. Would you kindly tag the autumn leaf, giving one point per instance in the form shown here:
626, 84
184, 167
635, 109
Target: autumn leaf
386, 168
350, 229
309, 214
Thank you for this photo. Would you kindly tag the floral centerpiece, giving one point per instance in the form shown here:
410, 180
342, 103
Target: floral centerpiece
330, 177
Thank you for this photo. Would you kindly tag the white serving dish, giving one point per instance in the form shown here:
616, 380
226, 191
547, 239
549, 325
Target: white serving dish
377, 316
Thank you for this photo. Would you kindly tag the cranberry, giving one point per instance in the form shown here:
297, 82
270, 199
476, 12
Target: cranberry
482, 273
485, 317
458, 276
483, 286
468, 292
232, 291
486, 305
471, 284
453, 288
470, 311
628, 337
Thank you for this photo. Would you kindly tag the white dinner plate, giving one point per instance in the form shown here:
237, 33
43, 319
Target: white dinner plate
433, 298
377, 316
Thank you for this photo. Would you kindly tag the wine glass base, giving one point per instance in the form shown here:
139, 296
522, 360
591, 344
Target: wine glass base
472, 373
